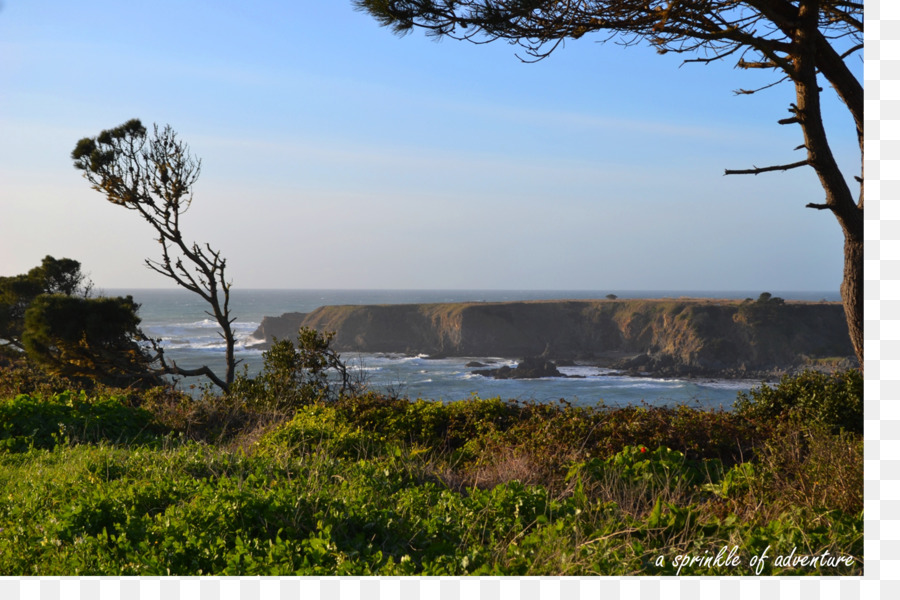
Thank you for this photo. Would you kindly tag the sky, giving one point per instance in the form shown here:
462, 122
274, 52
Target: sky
336, 154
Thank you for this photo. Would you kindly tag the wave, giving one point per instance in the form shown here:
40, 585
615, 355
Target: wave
589, 372
203, 335
357, 366
418, 358
730, 384
201, 324
210, 343
204, 325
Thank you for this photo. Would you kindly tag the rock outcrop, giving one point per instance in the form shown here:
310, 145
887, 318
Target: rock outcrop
272, 328
676, 337
528, 368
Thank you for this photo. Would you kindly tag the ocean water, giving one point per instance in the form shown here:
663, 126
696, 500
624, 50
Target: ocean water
192, 338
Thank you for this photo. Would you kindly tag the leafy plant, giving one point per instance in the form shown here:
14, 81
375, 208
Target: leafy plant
43, 422
295, 376
320, 428
835, 400
373, 485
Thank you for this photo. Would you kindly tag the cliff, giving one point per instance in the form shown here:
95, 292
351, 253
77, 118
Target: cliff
686, 336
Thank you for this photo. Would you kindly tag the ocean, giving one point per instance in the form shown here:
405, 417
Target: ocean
191, 338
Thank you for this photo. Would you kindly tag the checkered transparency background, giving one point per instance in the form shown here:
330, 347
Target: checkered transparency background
882, 459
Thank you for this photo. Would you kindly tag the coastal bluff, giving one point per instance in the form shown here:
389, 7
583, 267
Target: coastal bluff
701, 337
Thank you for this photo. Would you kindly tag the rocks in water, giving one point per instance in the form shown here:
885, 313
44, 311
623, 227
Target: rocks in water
475, 364
528, 368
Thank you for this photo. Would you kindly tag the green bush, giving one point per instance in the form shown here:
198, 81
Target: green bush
320, 428
43, 422
835, 400
323, 495
657, 470
295, 376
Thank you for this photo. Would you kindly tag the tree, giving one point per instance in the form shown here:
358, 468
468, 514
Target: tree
94, 338
62, 276
799, 40
48, 316
154, 175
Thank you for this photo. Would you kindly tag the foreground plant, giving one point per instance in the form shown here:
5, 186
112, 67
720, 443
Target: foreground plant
370, 485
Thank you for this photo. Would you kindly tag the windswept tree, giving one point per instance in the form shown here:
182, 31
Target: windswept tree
803, 42
94, 338
48, 317
153, 175
17, 292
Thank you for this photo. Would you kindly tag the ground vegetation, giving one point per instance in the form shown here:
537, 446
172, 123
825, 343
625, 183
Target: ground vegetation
112, 481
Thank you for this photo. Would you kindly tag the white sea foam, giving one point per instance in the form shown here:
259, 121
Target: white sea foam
730, 384
580, 371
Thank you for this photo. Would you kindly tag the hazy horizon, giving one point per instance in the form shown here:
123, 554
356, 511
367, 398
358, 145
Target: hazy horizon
464, 289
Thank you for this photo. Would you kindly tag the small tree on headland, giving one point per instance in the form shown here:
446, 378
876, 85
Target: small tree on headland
153, 175
797, 40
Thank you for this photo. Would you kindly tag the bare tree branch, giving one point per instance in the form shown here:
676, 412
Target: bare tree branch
154, 176
758, 170
765, 87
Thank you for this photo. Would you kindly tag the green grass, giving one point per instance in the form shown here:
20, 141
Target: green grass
155, 484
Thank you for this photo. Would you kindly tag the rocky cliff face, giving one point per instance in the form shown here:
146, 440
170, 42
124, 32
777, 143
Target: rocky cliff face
663, 336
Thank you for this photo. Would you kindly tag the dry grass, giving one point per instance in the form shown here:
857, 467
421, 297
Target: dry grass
804, 467
504, 466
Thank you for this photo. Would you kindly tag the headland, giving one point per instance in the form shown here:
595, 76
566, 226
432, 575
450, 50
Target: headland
659, 337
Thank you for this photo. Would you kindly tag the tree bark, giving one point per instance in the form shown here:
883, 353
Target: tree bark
852, 293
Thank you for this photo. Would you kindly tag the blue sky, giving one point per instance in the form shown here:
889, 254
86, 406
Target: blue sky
337, 155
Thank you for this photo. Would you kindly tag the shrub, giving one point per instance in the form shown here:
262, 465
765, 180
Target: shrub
320, 428
801, 467
295, 376
835, 400
636, 477
210, 418
43, 422
18, 376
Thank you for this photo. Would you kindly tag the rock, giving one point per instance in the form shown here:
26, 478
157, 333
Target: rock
634, 363
528, 368
284, 327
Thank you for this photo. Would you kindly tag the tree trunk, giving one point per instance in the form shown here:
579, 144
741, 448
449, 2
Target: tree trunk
838, 198
852, 292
